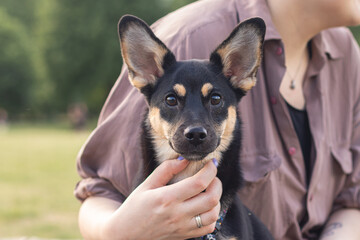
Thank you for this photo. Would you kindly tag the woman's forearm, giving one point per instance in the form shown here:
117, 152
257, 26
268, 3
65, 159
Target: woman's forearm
343, 224
94, 213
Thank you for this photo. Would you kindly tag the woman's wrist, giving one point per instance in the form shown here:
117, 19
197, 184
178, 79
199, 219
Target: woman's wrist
110, 230
116, 227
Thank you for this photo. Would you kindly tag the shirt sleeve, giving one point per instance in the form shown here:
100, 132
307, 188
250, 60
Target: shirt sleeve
349, 197
110, 158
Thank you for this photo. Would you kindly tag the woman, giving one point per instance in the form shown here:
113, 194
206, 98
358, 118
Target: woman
301, 146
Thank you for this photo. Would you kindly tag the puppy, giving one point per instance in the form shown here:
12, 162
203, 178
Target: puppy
193, 110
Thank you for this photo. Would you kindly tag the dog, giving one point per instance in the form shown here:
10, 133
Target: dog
193, 110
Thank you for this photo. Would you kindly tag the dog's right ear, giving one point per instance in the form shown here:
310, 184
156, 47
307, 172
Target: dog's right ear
144, 54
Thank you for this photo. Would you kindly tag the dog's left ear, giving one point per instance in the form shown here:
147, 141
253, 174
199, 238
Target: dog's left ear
240, 54
144, 54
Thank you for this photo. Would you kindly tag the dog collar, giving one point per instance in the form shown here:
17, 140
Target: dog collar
212, 236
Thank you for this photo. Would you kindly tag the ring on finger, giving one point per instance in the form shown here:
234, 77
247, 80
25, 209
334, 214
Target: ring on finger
198, 221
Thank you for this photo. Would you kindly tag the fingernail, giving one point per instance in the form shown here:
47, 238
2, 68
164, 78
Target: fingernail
215, 162
180, 158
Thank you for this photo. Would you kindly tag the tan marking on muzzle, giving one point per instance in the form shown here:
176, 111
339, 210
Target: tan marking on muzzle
180, 90
228, 127
156, 123
206, 89
160, 130
225, 130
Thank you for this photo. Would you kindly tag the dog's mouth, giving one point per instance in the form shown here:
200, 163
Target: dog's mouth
192, 153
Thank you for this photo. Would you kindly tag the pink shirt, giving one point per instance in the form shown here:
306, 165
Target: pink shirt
271, 157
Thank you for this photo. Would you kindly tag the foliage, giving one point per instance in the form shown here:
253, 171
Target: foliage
356, 32
55, 53
16, 74
58, 52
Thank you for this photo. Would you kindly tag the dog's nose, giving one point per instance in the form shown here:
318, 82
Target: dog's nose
195, 135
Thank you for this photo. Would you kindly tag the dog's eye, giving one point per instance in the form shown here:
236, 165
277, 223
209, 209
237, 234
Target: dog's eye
171, 100
215, 99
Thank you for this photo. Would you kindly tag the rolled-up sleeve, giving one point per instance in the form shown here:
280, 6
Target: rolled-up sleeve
97, 187
349, 197
110, 158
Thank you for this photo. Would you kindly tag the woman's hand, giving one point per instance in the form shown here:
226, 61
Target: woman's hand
155, 210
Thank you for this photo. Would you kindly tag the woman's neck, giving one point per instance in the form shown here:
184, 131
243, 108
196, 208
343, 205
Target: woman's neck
292, 23
297, 21
295, 24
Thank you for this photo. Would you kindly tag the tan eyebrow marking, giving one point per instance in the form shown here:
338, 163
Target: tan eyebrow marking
180, 90
206, 88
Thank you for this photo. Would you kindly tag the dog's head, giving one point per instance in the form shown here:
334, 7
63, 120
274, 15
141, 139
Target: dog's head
192, 104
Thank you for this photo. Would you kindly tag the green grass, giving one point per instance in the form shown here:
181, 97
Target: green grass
37, 178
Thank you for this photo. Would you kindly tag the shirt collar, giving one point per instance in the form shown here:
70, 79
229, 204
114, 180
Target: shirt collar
323, 49
326, 44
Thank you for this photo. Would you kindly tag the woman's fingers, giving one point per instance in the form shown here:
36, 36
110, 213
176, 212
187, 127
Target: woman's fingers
209, 217
193, 185
208, 221
164, 173
173, 207
204, 201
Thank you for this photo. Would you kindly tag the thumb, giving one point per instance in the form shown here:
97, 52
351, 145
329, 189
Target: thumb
164, 173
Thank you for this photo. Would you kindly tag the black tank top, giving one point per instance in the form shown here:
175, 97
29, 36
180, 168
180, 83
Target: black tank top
301, 124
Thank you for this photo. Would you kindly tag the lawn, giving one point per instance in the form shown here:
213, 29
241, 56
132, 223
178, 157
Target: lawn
37, 178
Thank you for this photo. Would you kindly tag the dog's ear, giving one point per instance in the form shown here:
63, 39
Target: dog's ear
240, 54
144, 54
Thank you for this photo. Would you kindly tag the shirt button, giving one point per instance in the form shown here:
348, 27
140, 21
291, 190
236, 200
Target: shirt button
292, 151
279, 51
273, 100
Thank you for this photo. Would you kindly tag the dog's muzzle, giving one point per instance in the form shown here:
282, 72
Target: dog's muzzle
194, 142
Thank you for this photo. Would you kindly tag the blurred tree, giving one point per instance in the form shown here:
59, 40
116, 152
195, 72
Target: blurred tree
59, 52
356, 32
174, 4
23, 77
56, 53
83, 52
43, 28
16, 72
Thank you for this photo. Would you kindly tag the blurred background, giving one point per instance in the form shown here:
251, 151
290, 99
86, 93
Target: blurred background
58, 61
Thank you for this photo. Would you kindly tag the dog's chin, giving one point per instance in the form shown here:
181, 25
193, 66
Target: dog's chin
194, 156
